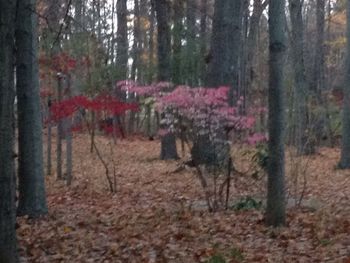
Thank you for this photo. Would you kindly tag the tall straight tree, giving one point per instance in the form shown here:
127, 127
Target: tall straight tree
318, 81
168, 142
318, 78
275, 210
345, 146
8, 246
300, 83
32, 199
203, 35
225, 45
190, 62
234, 16
178, 30
252, 42
217, 58
122, 39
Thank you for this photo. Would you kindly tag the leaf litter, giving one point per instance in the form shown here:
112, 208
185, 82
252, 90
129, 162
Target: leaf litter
153, 215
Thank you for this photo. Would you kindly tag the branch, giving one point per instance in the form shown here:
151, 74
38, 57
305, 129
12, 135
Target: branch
62, 24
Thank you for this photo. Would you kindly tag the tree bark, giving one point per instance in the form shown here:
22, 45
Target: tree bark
345, 146
8, 243
168, 141
275, 211
32, 199
203, 36
122, 40
252, 42
60, 135
151, 47
300, 84
190, 60
217, 58
178, 7
234, 35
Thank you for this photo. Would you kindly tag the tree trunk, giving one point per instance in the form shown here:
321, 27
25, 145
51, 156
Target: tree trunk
8, 243
345, 146
32, 199
317, 83
135, 68
234, 35
69, 139
252, 43
168, 141
203, 36
49, 38
217, 58
151, 65
322, 128
122, 40
60, 135
177, 41
190, 59
300, 83
275, 211
49, 139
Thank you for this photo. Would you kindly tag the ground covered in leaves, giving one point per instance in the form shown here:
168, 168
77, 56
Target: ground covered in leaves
156, 214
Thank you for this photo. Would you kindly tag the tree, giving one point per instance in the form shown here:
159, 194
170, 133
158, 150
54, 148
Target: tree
191, 51
252, 42
217, 58
8, 246
233, 45
168, 142
32, 199
203, 35
300, 83
178, 29
318, 80
345, 146
275, 210
122, 39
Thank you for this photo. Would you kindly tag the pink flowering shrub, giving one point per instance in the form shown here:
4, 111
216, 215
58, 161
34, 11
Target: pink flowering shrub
203, 118
200, 111
204, 112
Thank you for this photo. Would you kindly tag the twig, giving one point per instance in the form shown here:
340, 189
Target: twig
62, 24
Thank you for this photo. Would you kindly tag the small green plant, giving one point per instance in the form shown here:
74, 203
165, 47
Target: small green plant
261, 156
236, 254
216, 258
325, 242
247, 203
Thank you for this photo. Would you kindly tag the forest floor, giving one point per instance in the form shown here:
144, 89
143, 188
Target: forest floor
153, 217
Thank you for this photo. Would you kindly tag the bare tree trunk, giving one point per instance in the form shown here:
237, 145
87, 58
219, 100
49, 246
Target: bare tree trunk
60, 135
235, 15
203, 36
178, 7
69, 140
168, 141
217, 58
190, 61
322, 127
136, 60
252, 43
8, 243
32, 198
49, 139
300, 83
345, 146
122, 40
275, 210
151, 52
